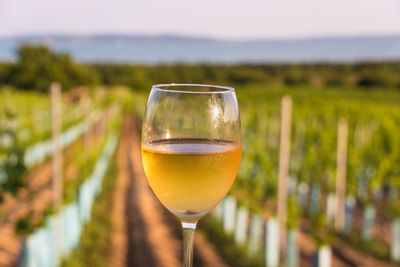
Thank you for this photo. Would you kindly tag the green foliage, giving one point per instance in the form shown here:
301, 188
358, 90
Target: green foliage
392, 208
12, 163
25, 121
4, 72
321, 233
30, 222
126, 75
385, 75
14, 167
293, 212
23, 226
373, 151
38, 67
84, 163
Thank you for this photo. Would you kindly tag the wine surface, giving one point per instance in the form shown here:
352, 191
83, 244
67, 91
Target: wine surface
190, 176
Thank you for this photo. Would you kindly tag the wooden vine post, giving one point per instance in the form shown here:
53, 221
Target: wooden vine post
341, 169
284, 156
56, 124
57, 161
86, 107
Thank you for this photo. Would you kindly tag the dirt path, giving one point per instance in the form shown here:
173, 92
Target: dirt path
154, 234
119, 238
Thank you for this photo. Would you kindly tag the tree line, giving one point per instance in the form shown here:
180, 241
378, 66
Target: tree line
37, 66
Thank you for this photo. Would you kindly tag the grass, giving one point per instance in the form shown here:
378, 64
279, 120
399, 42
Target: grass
236, 256
375, 248
95, 244
84, 164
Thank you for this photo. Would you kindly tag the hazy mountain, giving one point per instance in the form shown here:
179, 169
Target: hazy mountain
174, 48
106, 38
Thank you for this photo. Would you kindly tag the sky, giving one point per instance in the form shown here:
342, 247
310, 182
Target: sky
224, 19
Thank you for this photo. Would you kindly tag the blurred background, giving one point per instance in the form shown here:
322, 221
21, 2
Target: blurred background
318, 84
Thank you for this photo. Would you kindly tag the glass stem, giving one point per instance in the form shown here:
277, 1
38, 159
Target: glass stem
188, 238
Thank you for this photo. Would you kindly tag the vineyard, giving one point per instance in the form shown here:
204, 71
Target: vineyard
28, 208
319, 182
368, 125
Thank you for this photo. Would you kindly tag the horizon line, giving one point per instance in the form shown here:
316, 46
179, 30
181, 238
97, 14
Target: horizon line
194, 36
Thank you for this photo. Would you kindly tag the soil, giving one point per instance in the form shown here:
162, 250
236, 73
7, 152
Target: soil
154, 235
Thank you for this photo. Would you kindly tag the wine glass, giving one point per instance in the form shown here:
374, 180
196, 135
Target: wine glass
191, 150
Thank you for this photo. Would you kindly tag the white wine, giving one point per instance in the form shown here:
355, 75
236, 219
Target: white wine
190, 176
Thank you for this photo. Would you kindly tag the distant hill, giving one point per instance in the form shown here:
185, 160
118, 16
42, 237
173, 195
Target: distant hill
110, 38
174, 48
